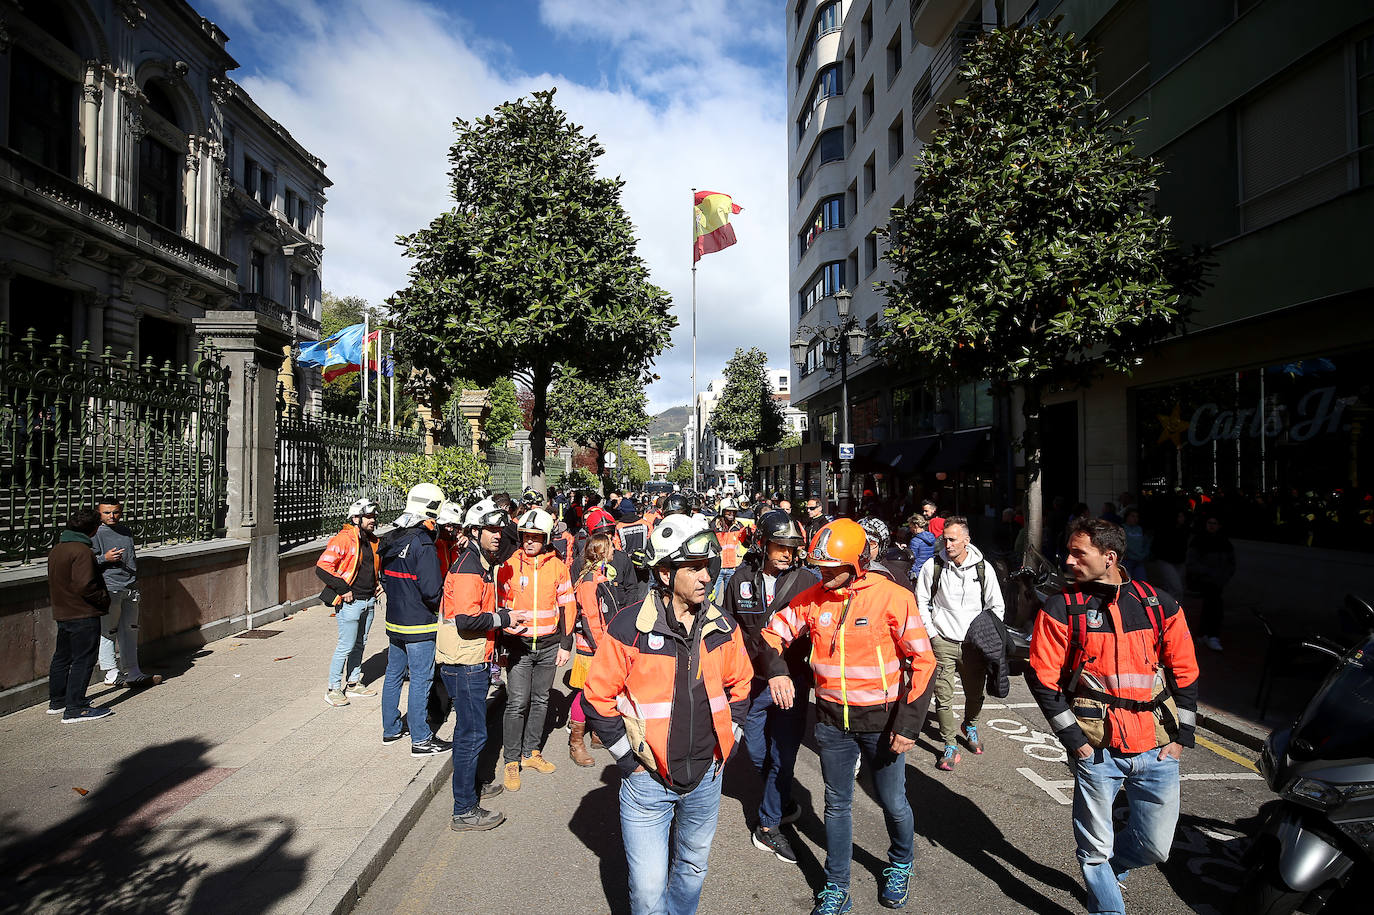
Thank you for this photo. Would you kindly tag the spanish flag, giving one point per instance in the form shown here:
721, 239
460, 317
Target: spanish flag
712, 217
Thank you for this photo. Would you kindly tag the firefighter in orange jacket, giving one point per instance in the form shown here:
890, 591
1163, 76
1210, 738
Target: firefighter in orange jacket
1112, 667
597, 603
351, 573
733, 537
861, 629
667, 693
535, 587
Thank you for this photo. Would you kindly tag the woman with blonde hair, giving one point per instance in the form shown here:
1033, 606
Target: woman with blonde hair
596, 603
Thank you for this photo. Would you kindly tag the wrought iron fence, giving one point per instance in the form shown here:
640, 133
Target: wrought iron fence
325, 463
76, 426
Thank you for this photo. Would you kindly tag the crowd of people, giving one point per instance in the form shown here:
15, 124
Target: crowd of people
692, 623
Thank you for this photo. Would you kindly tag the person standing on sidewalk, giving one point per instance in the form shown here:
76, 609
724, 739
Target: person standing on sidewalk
763, 584
667, 693
955, 585
533, 585
79, 599
1112, 668
113, 544
351, 571
464, 648
413, 583
871, 659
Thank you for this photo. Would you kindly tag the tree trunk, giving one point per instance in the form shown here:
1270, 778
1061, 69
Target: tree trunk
541, 378
1030, 411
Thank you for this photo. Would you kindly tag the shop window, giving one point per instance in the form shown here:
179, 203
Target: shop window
975, 405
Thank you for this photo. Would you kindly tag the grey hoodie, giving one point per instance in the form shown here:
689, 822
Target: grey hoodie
123, 574
958, 601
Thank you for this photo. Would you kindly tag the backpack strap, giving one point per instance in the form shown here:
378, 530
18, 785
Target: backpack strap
935, 578
1074, 604
1149, 599
981, 571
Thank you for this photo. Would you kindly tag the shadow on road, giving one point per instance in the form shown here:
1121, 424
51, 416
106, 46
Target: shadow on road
596, 823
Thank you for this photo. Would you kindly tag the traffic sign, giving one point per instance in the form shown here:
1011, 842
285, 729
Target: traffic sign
846, 451
612, 458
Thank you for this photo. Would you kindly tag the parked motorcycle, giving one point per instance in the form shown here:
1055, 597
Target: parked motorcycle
1320, 835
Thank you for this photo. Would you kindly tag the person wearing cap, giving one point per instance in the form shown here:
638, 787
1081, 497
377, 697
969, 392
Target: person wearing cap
413, 583
620, 570
464, 646
536, 590
350, 569
765, 581
871, 659
667, 694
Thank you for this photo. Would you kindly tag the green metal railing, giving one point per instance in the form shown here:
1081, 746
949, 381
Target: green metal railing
325, 463
76, 426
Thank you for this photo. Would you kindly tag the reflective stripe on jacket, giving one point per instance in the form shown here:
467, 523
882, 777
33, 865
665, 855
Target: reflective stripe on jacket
595, 604
859, 635
467, 634
538, 593
340, 558
1120, 654
731, 544
413, 583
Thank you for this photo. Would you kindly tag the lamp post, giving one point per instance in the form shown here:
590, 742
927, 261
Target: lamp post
840, 342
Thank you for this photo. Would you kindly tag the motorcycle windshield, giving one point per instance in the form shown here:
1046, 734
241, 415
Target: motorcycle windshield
1339, 721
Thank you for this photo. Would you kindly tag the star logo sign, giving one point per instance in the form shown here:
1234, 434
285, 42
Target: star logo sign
1172, 427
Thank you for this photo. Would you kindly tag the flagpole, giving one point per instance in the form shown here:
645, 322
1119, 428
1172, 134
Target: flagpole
696, 415
362, 363
379, 376
391, 401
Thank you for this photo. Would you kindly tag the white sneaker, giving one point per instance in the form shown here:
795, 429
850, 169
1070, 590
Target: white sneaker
1214, 643
112, 677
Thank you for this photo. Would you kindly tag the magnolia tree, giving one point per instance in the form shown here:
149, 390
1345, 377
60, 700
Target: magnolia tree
594, 413
1032, 251
534, 267
747, 417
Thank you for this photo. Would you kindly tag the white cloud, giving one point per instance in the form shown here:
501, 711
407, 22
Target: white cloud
373, 89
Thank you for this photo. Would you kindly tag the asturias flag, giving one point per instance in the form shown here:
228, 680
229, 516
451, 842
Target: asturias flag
337, 354
712, 217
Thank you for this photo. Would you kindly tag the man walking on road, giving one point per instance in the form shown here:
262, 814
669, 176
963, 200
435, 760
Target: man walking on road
862, 628
413, 583
955, 585
667, 694
1113, 669
79, 599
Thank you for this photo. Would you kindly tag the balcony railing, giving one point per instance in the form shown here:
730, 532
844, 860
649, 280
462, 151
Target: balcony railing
949, 54
257, 302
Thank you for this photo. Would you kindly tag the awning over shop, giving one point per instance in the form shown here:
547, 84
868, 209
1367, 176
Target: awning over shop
958, 451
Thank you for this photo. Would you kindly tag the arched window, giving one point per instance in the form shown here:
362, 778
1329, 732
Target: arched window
159, 165
43, 101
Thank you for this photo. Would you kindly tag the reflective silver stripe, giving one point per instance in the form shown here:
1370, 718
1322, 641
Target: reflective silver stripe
858, 696
620, 748
738, 732
1063, 720
1130, 681
866, 671
1187, 718
718, 704
917, 646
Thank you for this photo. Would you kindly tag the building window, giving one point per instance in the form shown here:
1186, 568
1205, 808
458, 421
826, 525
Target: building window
257, 181
896, 143
829, 215
975, 405
159, 171
290, 206
866, 31
829, 82
1364, 104
827, 20
870, 177
298, 293
829, 148
826, 281
870, 253
257, 273
894, 56
42, 113
867, 104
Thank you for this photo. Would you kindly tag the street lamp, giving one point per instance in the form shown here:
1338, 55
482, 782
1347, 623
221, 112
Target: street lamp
840, 342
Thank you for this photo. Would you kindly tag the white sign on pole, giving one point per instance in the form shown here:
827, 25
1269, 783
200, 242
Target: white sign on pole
846, 451
612, 459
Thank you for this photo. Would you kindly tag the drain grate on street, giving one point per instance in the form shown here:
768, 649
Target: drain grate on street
258, 634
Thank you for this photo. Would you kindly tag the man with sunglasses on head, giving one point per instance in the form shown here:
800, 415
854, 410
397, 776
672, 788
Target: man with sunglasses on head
667, 694
351, 572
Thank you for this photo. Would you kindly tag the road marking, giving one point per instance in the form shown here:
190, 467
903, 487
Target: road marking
1055, 788
1226, 754
1002, 705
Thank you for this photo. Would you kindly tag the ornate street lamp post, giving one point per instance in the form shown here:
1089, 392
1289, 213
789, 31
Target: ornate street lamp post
840, 342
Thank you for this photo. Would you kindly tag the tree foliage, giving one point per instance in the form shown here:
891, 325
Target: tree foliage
681, 474
747, 417
457, 471
595, 412
1032, 250
505, 416
579, 478
630, 465
534, 266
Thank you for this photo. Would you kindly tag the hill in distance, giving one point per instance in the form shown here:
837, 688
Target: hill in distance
670, 420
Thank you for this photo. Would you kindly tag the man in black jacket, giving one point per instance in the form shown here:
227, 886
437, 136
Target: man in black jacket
762, 584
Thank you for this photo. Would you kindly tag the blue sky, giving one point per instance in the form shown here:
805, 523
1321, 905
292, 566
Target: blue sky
680, 94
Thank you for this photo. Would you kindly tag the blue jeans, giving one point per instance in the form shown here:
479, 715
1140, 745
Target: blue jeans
467, 686
722, 582
73, 659
1151, 787
355, 622
419, 658
660, 885
773, 736
839, 751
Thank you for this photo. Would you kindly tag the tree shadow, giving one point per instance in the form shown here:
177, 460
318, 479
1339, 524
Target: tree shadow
948, 819
113, 857
596, 823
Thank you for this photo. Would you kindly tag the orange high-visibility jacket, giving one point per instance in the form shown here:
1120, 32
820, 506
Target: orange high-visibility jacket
859, 636
732, 542
467, 612
1121, 652
340, 558
538, 593
596, 603
635, 533
628, 696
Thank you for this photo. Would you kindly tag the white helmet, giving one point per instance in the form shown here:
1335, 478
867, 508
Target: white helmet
450, 513
681, 538
728, 504
364, 506
485, 514
424, 500
536, 521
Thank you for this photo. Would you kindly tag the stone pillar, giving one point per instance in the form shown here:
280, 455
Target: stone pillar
252, 346
191, 189
95, 320
92, 93
475, 408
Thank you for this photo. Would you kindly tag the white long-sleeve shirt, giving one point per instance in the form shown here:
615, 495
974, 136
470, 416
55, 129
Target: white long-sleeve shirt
958, 600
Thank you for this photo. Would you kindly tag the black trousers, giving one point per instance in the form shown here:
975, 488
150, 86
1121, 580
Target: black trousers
73, 659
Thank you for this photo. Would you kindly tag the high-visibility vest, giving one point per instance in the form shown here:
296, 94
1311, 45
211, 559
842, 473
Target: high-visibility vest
538, 592
731, 544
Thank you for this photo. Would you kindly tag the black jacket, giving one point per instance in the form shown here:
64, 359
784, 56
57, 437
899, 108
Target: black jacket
745, 603
988, 635
413, 582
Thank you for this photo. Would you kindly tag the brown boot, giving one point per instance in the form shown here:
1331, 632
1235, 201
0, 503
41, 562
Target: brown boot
537, 762
577, 749
512, 779
596, 742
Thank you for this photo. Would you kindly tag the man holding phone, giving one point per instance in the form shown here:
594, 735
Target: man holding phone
113, 544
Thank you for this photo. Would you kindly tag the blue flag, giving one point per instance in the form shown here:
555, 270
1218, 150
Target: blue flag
344, 348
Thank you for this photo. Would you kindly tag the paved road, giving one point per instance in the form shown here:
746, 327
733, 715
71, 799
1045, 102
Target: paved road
992, 837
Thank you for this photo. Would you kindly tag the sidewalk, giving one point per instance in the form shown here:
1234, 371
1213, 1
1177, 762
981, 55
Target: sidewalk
230, 787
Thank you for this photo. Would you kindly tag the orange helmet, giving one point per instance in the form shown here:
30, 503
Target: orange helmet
839, 543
